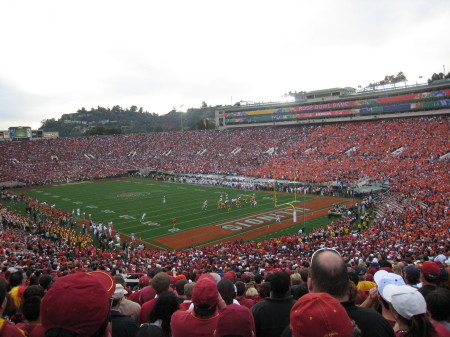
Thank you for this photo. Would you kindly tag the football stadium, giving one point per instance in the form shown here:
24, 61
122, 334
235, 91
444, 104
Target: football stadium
355, 181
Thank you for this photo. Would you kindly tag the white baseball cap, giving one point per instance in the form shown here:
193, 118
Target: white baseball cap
382, 278
119, 292
406, 300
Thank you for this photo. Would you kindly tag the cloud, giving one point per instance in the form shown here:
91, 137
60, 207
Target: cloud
62, 56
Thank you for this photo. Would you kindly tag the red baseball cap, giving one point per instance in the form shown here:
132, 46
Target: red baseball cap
144, 281
319, 314
430, 268
76, 302
106, 280
236, 320
205, 292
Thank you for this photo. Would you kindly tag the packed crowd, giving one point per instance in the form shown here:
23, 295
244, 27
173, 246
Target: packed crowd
203, 291
408, 234
404, 152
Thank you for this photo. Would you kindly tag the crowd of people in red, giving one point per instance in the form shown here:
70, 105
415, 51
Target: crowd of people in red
412, 230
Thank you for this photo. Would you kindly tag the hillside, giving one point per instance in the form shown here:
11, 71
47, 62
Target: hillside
129, 120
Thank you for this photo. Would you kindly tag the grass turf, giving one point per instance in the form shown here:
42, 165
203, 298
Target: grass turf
124, 201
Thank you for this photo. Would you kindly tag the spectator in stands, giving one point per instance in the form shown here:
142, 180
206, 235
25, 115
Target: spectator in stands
159, 318
438, 305
319, 314
46, 281
240, 295
411, 275
160, 284
144, 281
87, 314
272, 315
122, 325
235, 320
328, 273
179, 288
227, 291
188, 288
382, 278
409, 308
17, 285
31, 313
298, 286
202, 320
429, 277
7, 329
126, 306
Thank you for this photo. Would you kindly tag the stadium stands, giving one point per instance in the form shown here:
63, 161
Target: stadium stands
412, 223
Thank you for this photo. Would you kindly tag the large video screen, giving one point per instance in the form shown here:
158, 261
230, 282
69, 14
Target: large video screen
20, 132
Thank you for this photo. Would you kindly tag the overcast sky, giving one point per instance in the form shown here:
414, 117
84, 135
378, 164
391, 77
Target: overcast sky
60, 56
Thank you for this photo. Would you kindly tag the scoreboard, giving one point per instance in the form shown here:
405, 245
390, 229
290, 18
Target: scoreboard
20, 132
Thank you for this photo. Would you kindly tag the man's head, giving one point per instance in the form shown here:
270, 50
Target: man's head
144, 281
31, 308
328, 274
430, 272
46, 281
78, 303
296, 279
319, 314
411, 274
118, 295
438, 304
161, 282
235, 320
279, 285
188, 288
16, 279
205, 296
179, 286
226, 290
240, 288
119, 280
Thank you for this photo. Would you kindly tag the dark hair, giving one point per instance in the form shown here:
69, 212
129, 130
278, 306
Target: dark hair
2, 294
16, 279
384, 264
166, 304
258, 278
240, 288
204, 310
31, 308
353, 277
279, 284
33, 280
34, 290
179, 286
330, 278
438, 304
152, 273
264, 290
431, 278
411, 277
226, 290
299, 290
46, 281
418, 326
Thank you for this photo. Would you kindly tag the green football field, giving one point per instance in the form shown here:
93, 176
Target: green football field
124, 201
